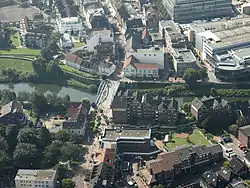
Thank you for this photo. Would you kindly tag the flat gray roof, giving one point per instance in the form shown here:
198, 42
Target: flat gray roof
185, 56
115, 134
35, 175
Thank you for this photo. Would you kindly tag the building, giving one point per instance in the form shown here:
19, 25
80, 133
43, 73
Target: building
201, 108
73, 60
188, 11
133, 108
66, 42
239, 167
182, 60
133, 68
12, 113
35, 178
70, 24
97, 37
129, 142
102, 172
244, 135
106, 68
33, 36
211, 180
139, 45
76, 118
225, 45
166, 166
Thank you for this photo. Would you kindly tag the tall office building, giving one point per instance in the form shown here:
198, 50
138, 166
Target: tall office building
189, 10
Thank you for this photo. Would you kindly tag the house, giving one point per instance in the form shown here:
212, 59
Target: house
210, 180
73, 60
139, 44
182, 60
102, 172
166, 166
106, 68
97, 37
200, 108
134, 24
244, 135
12, 113
239, 167
76, 118
227, 175
133, 68
129, 142
66, 42
69, 24
132, 108
35, 178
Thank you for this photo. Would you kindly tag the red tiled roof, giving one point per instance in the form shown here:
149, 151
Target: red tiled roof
74, 108
144, 33
129, 60
106, 156
152, 66
73, 58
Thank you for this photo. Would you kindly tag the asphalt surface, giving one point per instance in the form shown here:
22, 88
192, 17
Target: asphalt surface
13, 13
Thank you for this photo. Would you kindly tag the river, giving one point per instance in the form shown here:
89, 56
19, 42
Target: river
75, 95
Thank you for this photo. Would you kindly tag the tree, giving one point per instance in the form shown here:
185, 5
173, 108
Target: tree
27, 135
3, 144
202, 73
241, 121
11, 133
68, 183
86, 102
63, 136
187, 107
51, 154
70, 152
62, 171
4, 160
226, 164
45, 136
190, 75
234, 129
25, 155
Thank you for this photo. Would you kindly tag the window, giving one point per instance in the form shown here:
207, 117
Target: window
149, 54
145, 54
154, 54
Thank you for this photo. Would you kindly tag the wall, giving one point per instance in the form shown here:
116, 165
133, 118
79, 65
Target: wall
242, 138
130, 71
149, 57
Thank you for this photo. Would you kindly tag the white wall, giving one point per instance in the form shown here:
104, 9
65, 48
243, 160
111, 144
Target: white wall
130, 71
106, 36
149, 57
51, 184
69, 26
107, 71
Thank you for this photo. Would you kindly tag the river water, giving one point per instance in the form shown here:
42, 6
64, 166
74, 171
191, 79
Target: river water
75, 95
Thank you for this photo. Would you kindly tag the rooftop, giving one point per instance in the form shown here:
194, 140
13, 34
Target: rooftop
185, 56
245, 130
35, 175
116, 134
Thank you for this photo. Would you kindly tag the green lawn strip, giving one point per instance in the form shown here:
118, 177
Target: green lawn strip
28, 51
198, 138
176, 142
15, 38
76, 71
79, 44
19, 65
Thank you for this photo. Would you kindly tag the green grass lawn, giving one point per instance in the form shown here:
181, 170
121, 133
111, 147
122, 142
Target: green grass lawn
75, 71
15, 38
194, 138
19, 65
29, 51
79, 44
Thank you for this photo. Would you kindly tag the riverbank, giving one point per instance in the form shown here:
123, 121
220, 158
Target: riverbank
45, 89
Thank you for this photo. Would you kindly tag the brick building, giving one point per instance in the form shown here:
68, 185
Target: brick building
167, 165
200, 108
244, 135
131, 107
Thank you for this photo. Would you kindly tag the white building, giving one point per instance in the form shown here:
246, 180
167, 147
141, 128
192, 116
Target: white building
70, 24
95, 38
140, 46
35, 178
66, 41
73, 60
106, 68
133, 68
